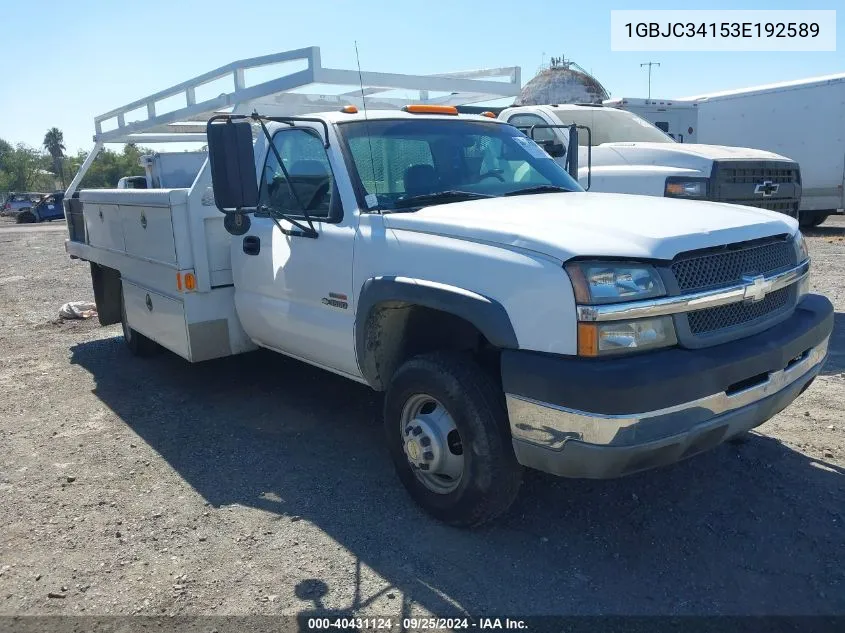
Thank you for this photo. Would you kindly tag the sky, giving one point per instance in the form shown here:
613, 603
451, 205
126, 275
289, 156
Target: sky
106, 54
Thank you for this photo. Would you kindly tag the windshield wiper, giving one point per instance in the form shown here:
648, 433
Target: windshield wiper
538, 189
450, 195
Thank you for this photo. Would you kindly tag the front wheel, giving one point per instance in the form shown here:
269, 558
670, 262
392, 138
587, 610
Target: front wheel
447, 432
812, 220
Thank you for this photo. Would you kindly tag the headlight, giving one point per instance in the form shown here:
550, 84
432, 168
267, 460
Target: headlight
599, 339
599, 283
680, 187
800, 244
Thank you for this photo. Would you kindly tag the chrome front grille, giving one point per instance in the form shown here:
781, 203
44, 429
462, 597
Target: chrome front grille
728, 266
731, 315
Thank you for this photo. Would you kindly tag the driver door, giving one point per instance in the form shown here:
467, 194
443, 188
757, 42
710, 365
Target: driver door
293, 292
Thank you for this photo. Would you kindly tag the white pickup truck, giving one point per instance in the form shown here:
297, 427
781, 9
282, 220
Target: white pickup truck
623, 153
510, 323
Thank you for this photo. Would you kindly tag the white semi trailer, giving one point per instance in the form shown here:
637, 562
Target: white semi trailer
803, 120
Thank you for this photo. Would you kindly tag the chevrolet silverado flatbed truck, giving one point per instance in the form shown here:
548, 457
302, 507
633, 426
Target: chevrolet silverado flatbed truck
510, 323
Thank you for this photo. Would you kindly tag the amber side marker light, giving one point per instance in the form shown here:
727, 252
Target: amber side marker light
350, 109
186, 281
588, 339
430, 109
488, 114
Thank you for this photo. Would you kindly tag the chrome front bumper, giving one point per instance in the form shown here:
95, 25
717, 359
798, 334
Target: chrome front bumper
576, 443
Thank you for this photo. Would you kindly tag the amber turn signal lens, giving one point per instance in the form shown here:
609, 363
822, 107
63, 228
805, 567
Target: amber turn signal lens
588, 339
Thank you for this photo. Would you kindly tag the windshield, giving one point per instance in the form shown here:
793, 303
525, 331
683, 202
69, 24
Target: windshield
609, 125
407, 163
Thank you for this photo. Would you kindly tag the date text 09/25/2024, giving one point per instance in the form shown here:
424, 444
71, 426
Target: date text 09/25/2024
415, 624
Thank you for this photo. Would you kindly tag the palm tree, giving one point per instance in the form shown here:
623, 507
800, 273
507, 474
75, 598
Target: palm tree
54, 143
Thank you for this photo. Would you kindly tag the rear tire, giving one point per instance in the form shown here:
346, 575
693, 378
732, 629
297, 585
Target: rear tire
469, 399
137, 343
25, 217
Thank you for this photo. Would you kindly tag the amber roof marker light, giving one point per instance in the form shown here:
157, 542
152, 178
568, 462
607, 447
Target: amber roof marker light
430, 109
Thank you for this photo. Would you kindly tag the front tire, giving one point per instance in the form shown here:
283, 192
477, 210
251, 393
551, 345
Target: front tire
25, 217
448, 436
137, 343
812, 221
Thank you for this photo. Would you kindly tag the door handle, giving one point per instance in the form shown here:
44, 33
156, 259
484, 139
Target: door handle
252, 245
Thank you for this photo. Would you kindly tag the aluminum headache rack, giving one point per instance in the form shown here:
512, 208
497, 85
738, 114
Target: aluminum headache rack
281, 96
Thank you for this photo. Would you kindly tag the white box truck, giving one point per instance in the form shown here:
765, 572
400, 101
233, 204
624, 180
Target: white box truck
510, 323
803, 120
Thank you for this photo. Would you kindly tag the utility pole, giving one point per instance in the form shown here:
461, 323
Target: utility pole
649, 64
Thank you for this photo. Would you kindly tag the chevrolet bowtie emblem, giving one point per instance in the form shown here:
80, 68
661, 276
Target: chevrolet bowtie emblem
757, 289
766, 189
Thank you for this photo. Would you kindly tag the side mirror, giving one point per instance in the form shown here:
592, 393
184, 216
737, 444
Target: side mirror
230, 154
553, 148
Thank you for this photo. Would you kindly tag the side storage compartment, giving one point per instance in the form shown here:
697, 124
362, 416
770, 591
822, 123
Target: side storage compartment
157, 317
103, 226
148, 233
75, 220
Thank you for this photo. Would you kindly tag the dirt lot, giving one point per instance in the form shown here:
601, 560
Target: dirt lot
260, 485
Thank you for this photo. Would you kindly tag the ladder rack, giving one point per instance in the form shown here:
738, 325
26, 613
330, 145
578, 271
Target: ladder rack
279, 96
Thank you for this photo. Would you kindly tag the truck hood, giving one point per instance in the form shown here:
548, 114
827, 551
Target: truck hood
567, 225
686, 155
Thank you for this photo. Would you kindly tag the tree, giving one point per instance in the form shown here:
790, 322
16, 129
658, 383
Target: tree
22, 169
109, 166
54, 144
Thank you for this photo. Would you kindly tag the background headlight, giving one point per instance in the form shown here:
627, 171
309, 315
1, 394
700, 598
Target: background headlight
599, 283
598, 339
801, 251
678, 187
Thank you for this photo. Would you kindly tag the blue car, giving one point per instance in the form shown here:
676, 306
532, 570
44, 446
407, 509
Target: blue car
47, 208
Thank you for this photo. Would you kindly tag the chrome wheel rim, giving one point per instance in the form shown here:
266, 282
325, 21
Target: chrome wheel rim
432, 444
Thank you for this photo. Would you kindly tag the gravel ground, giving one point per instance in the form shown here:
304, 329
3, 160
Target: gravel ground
258, 485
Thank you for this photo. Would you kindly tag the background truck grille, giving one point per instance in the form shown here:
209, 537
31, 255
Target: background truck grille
754, 175
766, 184
789, 208
727, 267
713, 319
